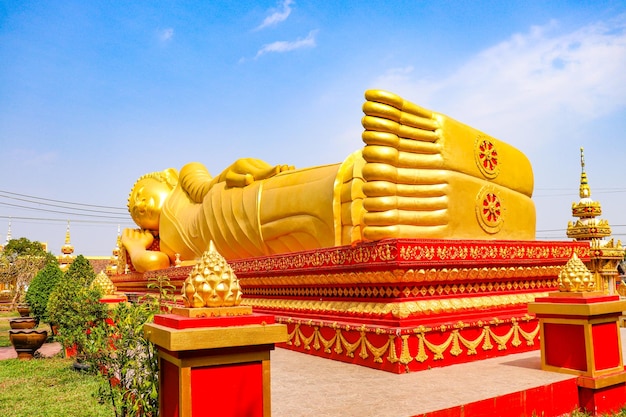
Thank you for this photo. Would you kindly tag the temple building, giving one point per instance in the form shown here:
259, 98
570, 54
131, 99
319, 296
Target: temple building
605, 255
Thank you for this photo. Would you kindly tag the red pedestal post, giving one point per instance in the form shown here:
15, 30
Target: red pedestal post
215, 366
580, 335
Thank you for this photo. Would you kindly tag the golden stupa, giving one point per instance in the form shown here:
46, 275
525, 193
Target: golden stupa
604, 254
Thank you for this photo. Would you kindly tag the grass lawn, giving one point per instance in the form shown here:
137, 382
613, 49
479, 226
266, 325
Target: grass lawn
48, 387
4, 327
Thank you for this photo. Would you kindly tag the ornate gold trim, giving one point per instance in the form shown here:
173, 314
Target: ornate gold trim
397, 276
401, 310
396, 291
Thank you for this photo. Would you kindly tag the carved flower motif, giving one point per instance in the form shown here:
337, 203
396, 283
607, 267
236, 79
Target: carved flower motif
486, 155
489, 210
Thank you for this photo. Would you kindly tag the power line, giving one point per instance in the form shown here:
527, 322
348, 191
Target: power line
599, 189
40, 219
61, 212
60, 201
53, 205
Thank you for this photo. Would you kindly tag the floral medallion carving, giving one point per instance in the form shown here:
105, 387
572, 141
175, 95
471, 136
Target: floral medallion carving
486, 155
489, 210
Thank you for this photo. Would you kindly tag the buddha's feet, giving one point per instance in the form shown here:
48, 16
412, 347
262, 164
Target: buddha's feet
429, 176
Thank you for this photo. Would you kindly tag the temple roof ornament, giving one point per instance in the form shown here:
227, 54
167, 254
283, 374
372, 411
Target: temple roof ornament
587, 226
67, 250
8, 234
112, 267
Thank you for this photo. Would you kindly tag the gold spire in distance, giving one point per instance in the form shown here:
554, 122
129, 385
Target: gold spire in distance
587, 226
66, 258
584, 190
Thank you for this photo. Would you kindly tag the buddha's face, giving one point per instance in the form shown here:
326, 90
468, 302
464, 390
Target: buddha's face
146, 201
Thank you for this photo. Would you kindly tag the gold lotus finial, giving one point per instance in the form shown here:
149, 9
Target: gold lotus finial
211, 282
575, 277
104, 283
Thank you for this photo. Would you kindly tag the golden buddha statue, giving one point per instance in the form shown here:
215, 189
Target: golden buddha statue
420, 174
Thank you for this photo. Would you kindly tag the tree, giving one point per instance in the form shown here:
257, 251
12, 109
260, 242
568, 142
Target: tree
23, 246
81, 271
20, 261
40, 289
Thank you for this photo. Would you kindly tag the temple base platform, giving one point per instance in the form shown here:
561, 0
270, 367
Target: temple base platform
513, 385
400, 305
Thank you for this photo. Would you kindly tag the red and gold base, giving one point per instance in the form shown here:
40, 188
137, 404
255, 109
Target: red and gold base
401, 304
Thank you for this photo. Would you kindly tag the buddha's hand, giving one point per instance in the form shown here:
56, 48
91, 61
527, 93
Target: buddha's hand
137, 239
405, 194
246, 171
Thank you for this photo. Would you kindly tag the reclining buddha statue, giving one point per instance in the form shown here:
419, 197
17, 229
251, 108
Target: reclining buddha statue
420, 174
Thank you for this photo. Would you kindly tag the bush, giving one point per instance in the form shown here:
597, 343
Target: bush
75, 307
126, 359
40, 289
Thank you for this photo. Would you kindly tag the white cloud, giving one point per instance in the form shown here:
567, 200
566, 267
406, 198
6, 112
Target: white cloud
547, 93
278, 16
532, 85
287, 46
166, 35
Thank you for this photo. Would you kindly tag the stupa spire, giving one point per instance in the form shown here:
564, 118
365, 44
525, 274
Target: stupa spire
588, 226
605, 254
66, 258
584, 190
112, 267
9, 233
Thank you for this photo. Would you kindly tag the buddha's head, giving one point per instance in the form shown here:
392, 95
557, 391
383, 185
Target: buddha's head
148, 195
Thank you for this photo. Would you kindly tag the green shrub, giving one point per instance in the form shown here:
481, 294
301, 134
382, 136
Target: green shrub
126, 360
75, 307
40, 289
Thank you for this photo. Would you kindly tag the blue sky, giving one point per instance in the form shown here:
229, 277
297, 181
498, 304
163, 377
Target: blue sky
95, 94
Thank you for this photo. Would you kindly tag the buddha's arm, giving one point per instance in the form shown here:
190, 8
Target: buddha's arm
247, 170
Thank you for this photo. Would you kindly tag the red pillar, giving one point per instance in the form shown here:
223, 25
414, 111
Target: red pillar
215, 366
580, 335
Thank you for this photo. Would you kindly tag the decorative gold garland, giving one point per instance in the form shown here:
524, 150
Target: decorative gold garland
454, 341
